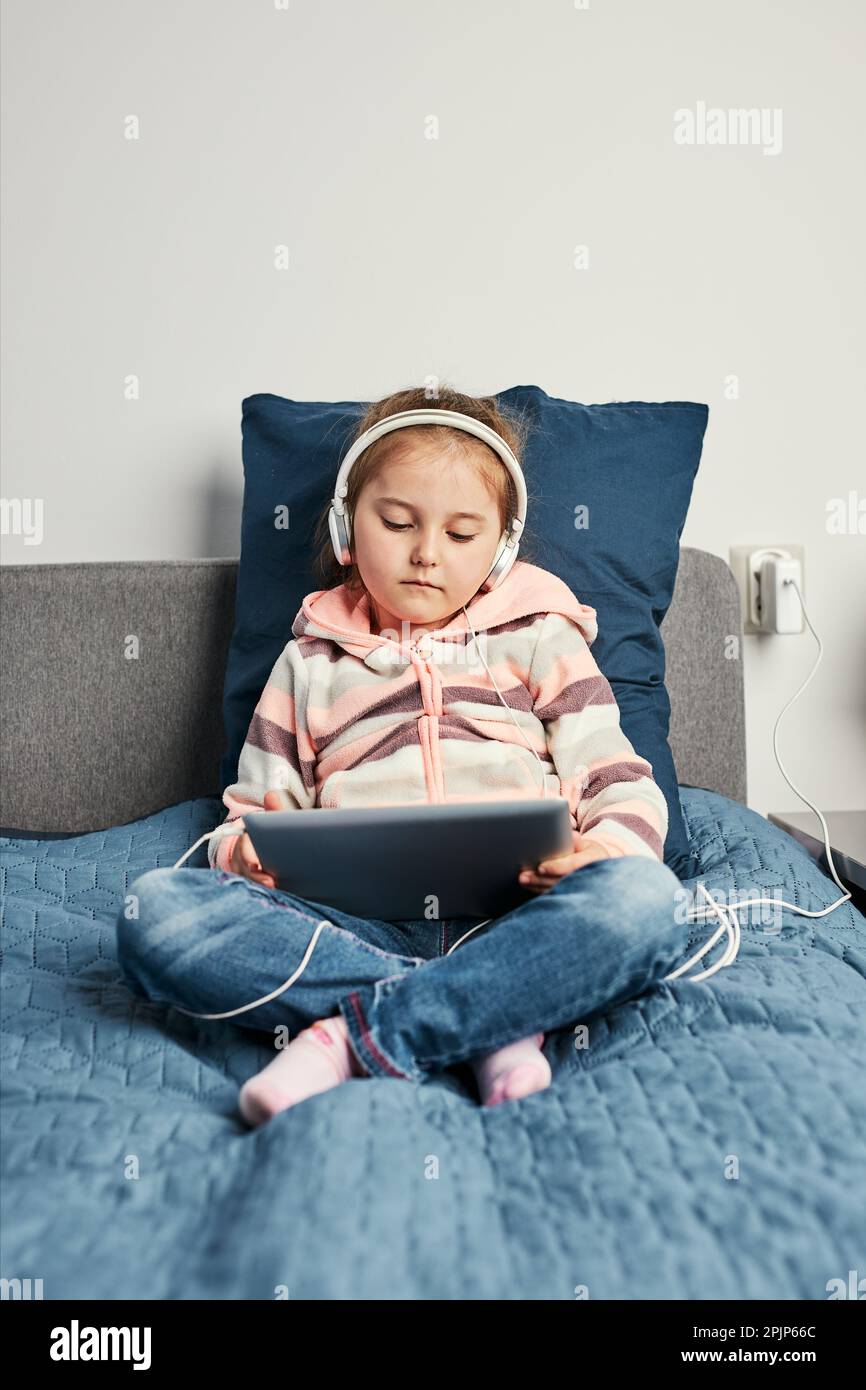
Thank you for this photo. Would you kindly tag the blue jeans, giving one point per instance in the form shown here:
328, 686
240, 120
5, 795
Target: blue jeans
209, 941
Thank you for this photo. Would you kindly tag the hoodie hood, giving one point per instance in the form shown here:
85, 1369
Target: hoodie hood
335, 615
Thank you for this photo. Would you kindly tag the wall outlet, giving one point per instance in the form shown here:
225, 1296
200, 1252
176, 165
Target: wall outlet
739, 560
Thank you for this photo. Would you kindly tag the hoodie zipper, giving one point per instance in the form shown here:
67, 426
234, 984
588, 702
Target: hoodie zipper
430, 683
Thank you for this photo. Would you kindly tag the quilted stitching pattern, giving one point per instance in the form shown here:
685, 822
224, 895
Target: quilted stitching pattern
614, 1178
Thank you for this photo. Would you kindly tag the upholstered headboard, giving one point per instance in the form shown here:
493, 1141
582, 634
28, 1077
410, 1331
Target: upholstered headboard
112, 679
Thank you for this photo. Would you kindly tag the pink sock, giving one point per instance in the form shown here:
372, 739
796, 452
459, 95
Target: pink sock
319, 1058
513, 1071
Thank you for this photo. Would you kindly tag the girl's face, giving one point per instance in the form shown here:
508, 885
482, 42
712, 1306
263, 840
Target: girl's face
424, 518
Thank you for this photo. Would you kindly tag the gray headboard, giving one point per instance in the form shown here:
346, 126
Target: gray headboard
93, 738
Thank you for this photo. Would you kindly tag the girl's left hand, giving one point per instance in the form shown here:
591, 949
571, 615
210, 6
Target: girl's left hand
550, 871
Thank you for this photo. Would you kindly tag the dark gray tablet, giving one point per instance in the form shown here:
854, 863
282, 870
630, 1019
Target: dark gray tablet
412, 861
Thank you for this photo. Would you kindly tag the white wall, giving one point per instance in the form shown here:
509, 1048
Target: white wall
306, 126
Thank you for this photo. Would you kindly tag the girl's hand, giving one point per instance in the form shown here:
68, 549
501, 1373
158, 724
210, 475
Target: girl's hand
550, 871
244, 859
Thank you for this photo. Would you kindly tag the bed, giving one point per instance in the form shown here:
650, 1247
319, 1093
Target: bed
710, 1145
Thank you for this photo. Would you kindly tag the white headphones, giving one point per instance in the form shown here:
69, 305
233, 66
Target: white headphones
340, 521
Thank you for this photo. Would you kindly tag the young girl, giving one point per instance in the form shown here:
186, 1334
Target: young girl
379, 697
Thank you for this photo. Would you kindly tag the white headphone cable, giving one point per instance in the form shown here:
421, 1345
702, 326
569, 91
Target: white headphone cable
266, 998
521, 731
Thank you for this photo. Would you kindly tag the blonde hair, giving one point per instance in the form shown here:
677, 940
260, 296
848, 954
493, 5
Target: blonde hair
511, 426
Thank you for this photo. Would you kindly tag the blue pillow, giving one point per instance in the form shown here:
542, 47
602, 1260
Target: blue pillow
609, 489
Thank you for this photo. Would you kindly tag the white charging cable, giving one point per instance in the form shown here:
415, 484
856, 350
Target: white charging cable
698, 914
729, 922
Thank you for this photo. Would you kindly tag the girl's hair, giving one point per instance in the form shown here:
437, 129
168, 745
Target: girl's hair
448, 440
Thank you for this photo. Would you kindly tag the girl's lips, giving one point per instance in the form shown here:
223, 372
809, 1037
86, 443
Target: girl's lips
416, 584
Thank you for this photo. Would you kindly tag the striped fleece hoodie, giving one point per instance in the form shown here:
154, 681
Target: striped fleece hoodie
353, 718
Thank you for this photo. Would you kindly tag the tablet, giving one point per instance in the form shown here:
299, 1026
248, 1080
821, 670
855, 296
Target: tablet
411, 861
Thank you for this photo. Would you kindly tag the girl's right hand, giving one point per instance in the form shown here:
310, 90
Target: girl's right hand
244, 860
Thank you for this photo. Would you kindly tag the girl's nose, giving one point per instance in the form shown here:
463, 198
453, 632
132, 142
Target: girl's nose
424, 553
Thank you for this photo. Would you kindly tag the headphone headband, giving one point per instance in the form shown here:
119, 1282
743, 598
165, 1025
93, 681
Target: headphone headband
339, 519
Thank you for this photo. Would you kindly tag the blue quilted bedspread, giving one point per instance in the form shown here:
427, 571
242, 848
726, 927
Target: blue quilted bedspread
710, 1143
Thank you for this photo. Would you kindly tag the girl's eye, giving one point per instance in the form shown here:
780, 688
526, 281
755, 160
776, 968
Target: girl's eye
395, 526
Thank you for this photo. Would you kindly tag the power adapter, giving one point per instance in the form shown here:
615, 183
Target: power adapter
774, 604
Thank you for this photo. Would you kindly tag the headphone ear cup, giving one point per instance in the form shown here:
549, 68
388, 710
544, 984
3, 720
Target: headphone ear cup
340, 537
503, 560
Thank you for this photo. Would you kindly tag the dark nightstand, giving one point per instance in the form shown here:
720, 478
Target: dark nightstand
847, 836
